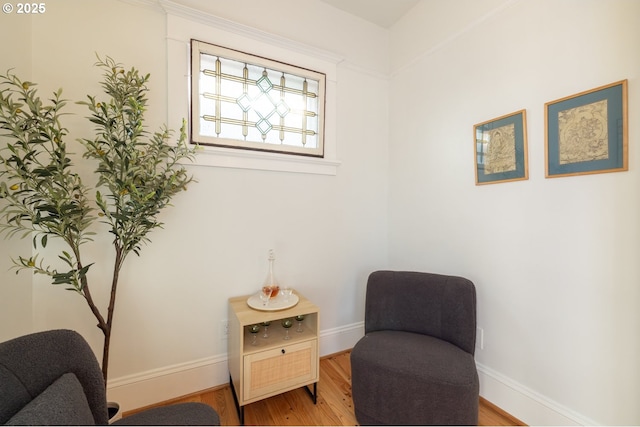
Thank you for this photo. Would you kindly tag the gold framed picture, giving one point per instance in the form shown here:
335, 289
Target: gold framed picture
501, 149
587, 133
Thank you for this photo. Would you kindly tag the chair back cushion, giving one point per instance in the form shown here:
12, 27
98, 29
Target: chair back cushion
62, 403
437, 305
13, 395
33, 362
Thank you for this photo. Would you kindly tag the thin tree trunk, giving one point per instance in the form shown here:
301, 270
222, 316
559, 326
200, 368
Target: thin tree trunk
105, 354
112, 304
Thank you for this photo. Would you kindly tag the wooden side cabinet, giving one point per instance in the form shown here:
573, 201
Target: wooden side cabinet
263, 367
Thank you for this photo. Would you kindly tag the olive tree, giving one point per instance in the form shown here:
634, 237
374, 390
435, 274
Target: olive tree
44, 197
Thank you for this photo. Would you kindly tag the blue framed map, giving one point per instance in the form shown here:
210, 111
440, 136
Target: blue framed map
587, 133
501, 149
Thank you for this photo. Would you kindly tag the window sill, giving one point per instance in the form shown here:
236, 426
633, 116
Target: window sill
247, 159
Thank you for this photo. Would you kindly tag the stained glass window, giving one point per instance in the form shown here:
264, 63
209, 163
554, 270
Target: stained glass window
245, 101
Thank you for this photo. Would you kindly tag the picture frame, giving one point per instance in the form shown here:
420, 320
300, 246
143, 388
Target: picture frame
501, 149
587, 133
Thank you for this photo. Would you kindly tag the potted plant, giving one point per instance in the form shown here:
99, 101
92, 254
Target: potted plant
42, 195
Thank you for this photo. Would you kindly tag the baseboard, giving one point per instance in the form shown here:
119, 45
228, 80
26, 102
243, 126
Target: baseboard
338, 339
525, 404
159, 385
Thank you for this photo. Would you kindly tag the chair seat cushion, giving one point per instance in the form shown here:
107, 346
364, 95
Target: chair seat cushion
406, 353
62, 403
407, 378
190, 413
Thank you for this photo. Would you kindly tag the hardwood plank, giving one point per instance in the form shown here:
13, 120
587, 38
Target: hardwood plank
334, 404
225, 405
335, 385
491, 415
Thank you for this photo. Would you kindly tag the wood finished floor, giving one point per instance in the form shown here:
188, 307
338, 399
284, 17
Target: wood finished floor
295, 408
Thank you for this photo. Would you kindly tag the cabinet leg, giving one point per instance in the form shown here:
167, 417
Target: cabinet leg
239, 408
314, 393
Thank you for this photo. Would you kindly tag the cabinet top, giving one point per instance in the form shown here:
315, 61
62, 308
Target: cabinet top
247, 315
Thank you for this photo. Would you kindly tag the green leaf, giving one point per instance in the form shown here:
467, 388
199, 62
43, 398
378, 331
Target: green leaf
83, 270
67, 260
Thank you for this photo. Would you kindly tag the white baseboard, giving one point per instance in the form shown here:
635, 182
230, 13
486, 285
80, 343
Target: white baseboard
148, 388
525, 404
340, 339
159, 385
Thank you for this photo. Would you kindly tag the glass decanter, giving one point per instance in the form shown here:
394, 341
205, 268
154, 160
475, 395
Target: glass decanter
270, 283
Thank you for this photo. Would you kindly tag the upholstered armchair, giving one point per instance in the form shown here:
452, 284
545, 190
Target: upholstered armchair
53, 378
415, 365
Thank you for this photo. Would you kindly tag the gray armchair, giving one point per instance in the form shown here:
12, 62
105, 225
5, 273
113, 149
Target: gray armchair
53, 378
415, 365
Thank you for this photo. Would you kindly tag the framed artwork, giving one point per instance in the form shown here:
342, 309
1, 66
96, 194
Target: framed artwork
501, 149
586, 133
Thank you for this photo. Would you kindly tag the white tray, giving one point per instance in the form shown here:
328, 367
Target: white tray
275, 304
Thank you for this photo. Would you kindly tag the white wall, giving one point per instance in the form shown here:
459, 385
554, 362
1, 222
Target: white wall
328, 231
555, 261
15, 291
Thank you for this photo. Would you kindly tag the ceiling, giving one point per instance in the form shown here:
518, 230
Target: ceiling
384, 13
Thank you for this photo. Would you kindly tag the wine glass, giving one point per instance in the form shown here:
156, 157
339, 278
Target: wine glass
266, 329
299, 318
254, 329
286, 324
265, 294
286, 292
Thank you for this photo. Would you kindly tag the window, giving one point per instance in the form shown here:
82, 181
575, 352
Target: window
244, 101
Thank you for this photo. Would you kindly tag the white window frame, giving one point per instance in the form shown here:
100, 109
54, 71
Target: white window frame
184, 24
198, 134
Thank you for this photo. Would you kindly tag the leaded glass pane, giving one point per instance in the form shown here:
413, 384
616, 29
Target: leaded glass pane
256, 102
